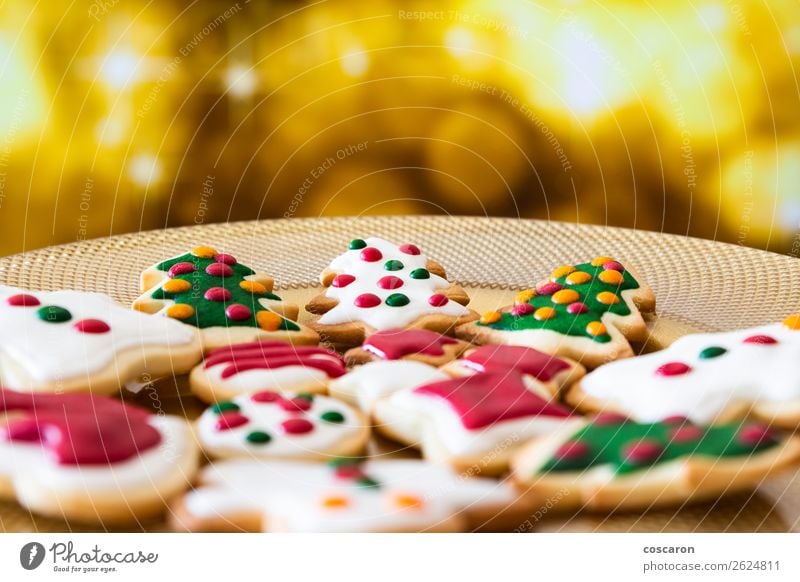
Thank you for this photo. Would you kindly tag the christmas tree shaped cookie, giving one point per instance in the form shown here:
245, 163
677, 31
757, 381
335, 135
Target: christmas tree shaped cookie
377, 285
588, 312
706, 377
611, 463
228, 302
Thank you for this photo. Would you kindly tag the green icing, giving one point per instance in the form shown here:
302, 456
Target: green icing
565, 322
607, 445
420, 274
224, 407
53, 314
258, 437
393, 265
357, 243
397, 300
212, 313
712, 352
332, 416
368, 483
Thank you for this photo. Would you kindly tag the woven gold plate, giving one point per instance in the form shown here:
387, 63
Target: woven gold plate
700, 285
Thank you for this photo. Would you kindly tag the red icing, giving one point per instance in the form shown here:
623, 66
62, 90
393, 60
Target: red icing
181, 269
686, 434
348, 472
342, 280
675, 419
642, 452
78, 429
756, 434
92, 326
485, 399
522, 309
409, 249
297, 426
367, 300
613, 266
577, 308
272, 355
265, 396
548, 288
761, 339
23, 300
609, 418
673, 369
237, 311
438, 300
219, 270
572, 451
295, 404
217, 294
490, 358
371, 254
230, 419
225, 258
393, 344
390, 282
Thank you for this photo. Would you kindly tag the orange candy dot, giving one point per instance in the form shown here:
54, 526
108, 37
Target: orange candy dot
544, 313
578, 278
596, 328
408, 501
608, 298
253, 287
792, 322
177, 286
268, 321
335, 502
598, 262
611, 277
561, 271
525, 296
490, 317
180, 311
204, 252
565, 296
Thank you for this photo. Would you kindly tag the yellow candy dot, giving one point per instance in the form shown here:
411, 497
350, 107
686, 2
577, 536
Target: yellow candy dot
335, 502
490, 317
268, 321
608, 298
596, 328
253, 287
578, 278
525, 296
204, 252
177, 286
792, 322
611, 277
561, 271
598, 262
544, 313
565, 296
180, 311
408, 501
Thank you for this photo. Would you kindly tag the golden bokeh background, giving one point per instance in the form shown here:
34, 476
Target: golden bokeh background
682, 116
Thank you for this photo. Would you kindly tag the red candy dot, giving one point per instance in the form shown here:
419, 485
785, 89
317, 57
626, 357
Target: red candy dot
390, 282
609, 419
685, 434
348, 472
577, 308
342, 280
754, 435
761, 339
438, 300
613, 266
217, 294
409, 249
673, 369
572, 451
521, 309
548, 288
92, 326
367, 300
371, 254
295, 405
642, 452
675, 419
297, 426
225, 258
23, 300
230, 419
265, 396
219, 270
237, 311
180, 269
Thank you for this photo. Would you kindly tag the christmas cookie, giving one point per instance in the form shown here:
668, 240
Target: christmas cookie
588, 312
227, 301
343, 496
270, 424
91, 458
377, 285
266, 365
421, 345
473, 423
611, 464
706, 377
67, 341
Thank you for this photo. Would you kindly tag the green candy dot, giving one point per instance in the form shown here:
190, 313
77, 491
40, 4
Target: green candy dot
306, 396
712, 352
53, 314
420, 274
224, 406
357, 243
368, 483
332, 416
258, 437
393, 265
397, 300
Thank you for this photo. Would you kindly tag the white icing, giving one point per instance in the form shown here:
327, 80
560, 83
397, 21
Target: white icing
367, 275
747, 372
49, 352
294, 378
375, 380
292, 494
267, 417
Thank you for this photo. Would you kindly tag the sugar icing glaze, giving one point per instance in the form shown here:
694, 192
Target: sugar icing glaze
393, 344
528, 361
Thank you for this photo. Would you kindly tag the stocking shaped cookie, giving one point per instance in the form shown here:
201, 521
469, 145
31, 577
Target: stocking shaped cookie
66, 341
473, 423
91, 458
377, 285
272, 425
705, 377
611, 464
373, 496
266, 365
588, 312
421, 345
228, 301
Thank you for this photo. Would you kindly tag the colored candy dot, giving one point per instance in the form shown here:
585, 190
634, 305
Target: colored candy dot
265, 396
230, 419
225, 406
397, 300
177, 286
565, 296
577, 308
335, 502
390, 282
572, 451
756, 435
607, 298
342, 280
792, 322
367, 300
490, 317
237, 311
438, 300
371, 255
561, 271
297, 426
92, 326
544, 313
420, 274
578, 278
675, 419
368, 483
180, 311
393, 265
253, 287
204, 252
219, 270
217, 294
613, 266
642, 452
673, 369
408, 501
525, 296
712, 352
611, 277
548, 288
600, 261
348, 471
761, 339
596, 328
268, 321
332, 416
295, 405
409, 249
357, 243
686, 434
181, 269
522, 309
53, 314
258, 437
225, 258
609, 419
23, 300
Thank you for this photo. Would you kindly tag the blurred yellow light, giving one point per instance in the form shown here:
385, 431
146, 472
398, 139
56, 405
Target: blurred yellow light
240, 81
459, 41
119, 69
144, 169
354, 61
21, 97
